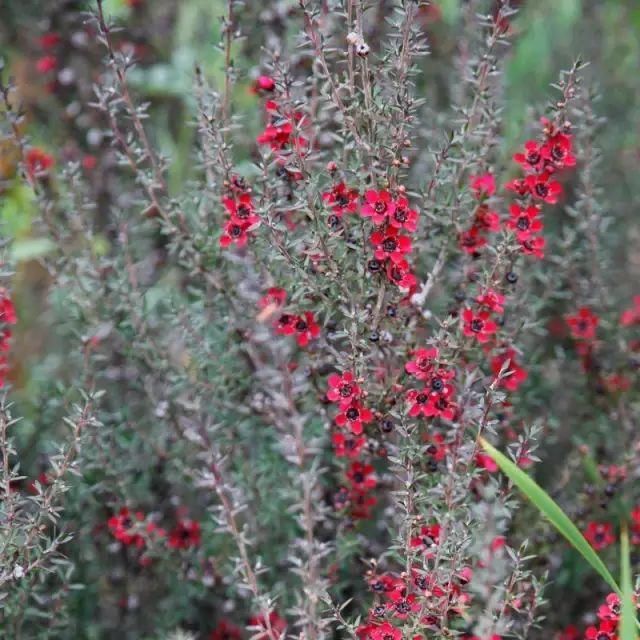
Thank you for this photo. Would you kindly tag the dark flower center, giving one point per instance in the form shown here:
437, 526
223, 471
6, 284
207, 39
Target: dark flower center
442, 403
533, 157
523, 223
401, 215
476, 325
346, 390
301, 325
542, 189
558, 152
423, 363
403, 607
421, 398
437, 384
235, 231
421, 582
380, 206
352, 413
243, 211
358, 477
342, 200
389, 245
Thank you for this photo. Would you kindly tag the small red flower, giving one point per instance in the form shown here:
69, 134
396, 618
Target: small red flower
599, 535
514, 375
127, 527
423, 362
265, 83
386, 631
343, 389
400, 274
557, 152
378, 205
533, 247
485, 462
583, 324
361, 476
430, 403
240, 210
354, 416
306, 328
7, 310
483, 186
361, 504
347, 446
472, 240
492, 300
226, 631
389, 244
185, 534
605, 631
486, 220
542, 188
478, 325
611, 609
275, 296
49, 40
38, 162
428, 538
341, 199
524, 222
46, 64
234, 232
404, 217
532, 159
274, 622
402, 607
631, 316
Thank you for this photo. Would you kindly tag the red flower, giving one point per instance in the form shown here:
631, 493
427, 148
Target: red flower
361, 476
404, 217
275, 296
491, 300
277, 624
533, 247
7, 310
234, 232
127, 527
306, 328
378, 205
38, 162
478, 325
341, 199
472, 240
361, 504
354, 416
611, 609
347, 445
583, 324
483, 186
49, 40
241, 210
557, 151
386, 631
343, 389
519, 186
403, 607
400, 274
184, 535
225, 631
542, 188
605, 631
389, 244
486, 220
429, 403
46, 64
265, 83
514, 375
631, 316
532, 159
599, 535
485, 462
428, 539
423, 362
524, 222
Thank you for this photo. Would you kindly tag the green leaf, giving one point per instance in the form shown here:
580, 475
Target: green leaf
627, 614
551, 511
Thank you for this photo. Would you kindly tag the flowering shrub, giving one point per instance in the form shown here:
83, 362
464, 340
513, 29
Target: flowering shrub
259, 407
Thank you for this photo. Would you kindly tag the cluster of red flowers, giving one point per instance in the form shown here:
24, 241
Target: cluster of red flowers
349, 442
7, 318
242, 218
473, 239
134, 528
415, 596
600, 535
259, 625
48, 61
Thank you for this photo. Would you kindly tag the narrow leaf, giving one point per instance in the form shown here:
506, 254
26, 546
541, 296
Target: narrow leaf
551, 511
627, 615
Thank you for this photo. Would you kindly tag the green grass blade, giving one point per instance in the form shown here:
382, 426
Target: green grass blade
551, 511
628, 614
